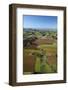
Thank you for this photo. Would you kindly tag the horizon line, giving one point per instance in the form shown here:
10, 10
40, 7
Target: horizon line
40, 28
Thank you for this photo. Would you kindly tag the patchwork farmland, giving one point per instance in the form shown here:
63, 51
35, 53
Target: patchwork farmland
39, 51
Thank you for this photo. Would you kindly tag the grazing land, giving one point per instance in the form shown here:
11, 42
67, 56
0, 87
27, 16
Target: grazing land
40, 51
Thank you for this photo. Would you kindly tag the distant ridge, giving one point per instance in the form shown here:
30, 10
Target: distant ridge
38, 29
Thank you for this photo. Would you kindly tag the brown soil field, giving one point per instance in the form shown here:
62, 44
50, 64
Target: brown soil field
28, 63
44, 41
51, 60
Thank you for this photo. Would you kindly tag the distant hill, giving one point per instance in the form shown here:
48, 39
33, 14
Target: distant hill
34, 29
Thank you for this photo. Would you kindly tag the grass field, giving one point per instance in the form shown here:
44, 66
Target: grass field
48, 66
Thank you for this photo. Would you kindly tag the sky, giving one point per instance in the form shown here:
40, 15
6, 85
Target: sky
45, 22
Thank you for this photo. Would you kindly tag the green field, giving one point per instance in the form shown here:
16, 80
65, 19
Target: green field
39, 51
48, 51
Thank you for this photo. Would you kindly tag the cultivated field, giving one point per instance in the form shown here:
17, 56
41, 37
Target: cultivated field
40, 51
